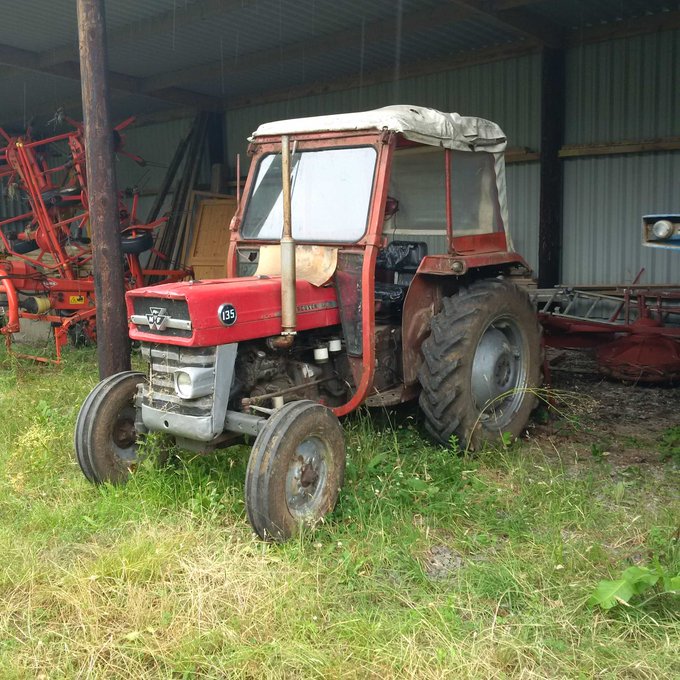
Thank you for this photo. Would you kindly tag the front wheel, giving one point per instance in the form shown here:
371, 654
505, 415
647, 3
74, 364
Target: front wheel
105, 436
481, 364
295, 470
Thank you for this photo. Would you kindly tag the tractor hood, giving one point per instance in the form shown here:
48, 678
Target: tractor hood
207, 313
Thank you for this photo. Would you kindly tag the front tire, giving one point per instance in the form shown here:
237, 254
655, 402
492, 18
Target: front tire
105, 436
295, 471
481, 364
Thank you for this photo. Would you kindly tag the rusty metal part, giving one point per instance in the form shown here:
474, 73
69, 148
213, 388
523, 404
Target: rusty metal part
247, 402
423, 301
315, 264
641, 358
288, 274
457, 265
281, 341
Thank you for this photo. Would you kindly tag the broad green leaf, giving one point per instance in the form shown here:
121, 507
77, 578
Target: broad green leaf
416, 484
640, 578
375, 461
674, 584
610, 593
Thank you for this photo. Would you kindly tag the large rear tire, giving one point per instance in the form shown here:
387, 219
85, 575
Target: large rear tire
481, 364
105, 436
295, 470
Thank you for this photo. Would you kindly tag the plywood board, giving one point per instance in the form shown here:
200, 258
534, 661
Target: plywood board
210, 242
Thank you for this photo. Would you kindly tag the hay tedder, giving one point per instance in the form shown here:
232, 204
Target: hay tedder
369, 263
45, 251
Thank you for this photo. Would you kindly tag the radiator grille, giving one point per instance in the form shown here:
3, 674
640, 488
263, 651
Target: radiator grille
164, 360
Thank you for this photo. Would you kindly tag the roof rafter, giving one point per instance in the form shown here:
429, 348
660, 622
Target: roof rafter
516, 17
30, 61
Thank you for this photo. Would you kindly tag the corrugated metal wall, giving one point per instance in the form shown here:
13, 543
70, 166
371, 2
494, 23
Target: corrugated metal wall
623, 89
604, 199
523, 182
506, 92
620, 90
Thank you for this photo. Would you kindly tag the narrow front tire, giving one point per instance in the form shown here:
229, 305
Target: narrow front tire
295, 471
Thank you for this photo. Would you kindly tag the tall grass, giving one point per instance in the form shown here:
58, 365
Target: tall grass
433, 564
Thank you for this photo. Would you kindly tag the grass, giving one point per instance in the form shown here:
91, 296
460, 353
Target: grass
433, 565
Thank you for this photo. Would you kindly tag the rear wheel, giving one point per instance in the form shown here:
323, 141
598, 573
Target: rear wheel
295, 470
105, 436
481, 364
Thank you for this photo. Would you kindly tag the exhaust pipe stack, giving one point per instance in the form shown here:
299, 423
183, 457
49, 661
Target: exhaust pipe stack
288, 275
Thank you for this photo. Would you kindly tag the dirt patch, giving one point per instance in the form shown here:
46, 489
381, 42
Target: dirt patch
440, 562
604, 418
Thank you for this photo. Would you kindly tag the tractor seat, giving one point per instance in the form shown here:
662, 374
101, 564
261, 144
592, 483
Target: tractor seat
401, 259
389, 299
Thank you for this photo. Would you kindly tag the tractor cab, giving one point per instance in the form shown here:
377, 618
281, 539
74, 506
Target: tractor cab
369, 263
386, 196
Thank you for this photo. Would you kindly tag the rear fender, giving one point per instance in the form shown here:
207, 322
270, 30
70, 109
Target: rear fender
439, 276
423, 301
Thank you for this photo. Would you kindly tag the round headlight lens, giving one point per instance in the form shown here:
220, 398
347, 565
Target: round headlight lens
662, 229
183, 384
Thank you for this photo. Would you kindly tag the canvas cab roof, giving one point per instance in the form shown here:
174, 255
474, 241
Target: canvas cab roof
417, 123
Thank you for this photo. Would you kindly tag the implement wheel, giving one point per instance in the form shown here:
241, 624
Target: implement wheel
105, 436
481, 364
295, 470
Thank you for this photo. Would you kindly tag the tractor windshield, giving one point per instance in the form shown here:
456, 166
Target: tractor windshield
331, 193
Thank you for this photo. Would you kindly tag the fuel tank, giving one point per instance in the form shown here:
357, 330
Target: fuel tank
217, 312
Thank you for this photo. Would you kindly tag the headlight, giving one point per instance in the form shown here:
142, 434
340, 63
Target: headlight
662, 229
192, 383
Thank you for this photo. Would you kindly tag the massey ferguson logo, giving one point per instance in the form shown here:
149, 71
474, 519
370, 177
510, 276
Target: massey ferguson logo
157, 318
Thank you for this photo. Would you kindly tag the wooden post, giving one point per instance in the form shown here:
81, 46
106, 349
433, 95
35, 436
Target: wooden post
552, 137
113, 346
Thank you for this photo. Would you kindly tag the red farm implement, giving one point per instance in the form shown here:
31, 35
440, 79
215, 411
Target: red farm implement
46, 259
634, 330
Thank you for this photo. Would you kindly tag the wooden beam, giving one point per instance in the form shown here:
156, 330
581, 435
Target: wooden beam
113, 346
553, 115
323, 44
30, 61
518, 19
515, 154
159, 24
620, 148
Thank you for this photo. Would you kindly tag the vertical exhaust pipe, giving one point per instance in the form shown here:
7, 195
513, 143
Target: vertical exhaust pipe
288, 297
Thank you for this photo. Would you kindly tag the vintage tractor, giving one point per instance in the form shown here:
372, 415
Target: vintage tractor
369, 264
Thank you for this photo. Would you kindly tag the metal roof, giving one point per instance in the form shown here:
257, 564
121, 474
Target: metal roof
165, 54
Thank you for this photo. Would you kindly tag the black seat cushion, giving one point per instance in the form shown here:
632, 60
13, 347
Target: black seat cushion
389, 298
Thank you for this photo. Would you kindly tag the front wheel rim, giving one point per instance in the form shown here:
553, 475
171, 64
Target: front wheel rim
499, 372
307, 477
124, 437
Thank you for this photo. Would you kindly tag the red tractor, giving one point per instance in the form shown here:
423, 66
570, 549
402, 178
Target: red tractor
369, 264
